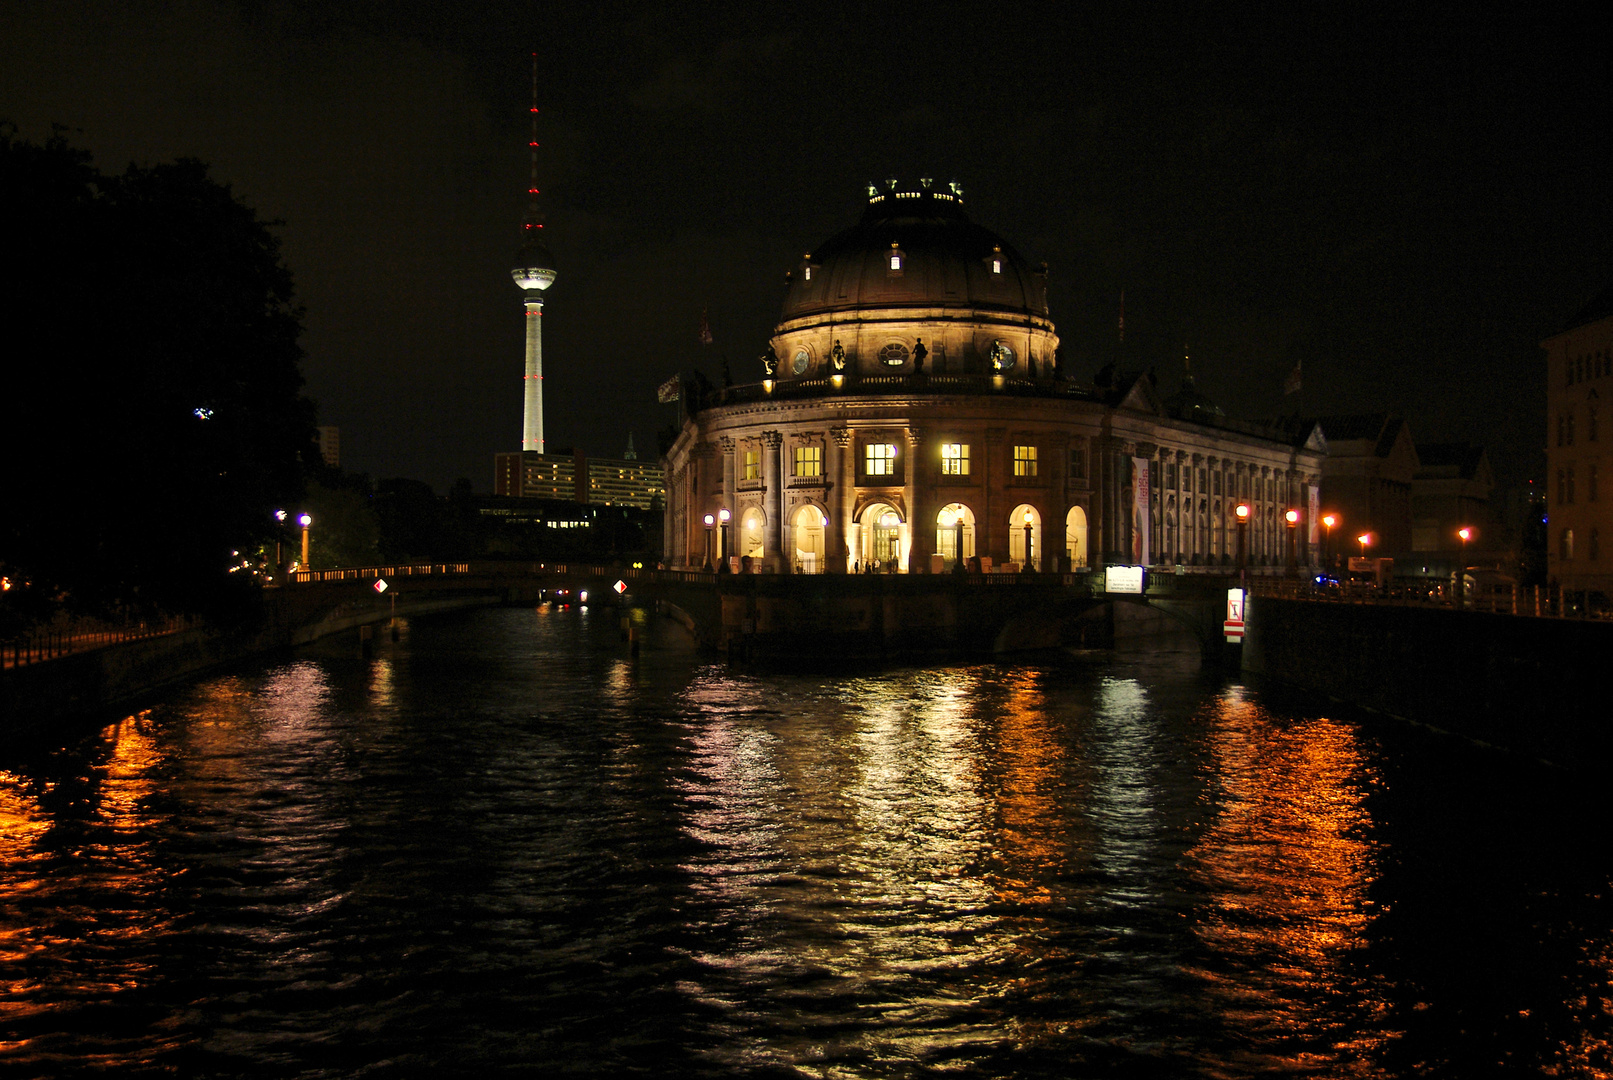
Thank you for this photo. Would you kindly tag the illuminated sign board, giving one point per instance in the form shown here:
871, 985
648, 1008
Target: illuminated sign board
1233, 627
1123, 579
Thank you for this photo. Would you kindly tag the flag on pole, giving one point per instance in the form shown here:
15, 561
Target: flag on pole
669, 391
705, 328
1291, 384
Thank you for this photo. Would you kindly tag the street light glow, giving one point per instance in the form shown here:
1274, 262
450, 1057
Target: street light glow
1242, 510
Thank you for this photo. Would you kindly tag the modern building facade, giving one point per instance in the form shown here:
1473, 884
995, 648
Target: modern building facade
1579, 367
578, 478
913, 411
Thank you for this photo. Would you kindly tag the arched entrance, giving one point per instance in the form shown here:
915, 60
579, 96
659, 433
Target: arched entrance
954, 534
752, 527
881, 528
1025, 527
1075, 537
807, 528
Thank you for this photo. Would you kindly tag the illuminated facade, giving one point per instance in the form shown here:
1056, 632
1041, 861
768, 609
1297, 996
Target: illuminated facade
1579, 366
578, 478
914, 413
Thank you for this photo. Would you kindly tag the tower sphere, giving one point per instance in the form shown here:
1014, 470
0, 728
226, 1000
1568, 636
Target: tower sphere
534, 266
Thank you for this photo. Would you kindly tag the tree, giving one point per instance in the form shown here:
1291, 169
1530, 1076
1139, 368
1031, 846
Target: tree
158, 327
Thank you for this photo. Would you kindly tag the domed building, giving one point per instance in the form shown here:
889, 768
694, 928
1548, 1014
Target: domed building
914, 411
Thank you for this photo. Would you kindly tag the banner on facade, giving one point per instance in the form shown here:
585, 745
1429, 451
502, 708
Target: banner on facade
1314, 525
1142, 518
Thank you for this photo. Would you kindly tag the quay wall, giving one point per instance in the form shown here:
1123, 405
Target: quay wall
1532, 685
39, 698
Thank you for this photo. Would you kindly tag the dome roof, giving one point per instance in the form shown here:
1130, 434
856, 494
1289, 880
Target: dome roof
915, 248
1189, 403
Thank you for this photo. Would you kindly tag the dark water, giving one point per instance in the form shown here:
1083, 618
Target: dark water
501, 847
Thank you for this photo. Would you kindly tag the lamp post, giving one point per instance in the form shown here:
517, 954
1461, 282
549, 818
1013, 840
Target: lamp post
1292, 518
305, 520
1328, 521
710, 521
1241, 512
722, 516
1364, 539
1029, 556
1466, 534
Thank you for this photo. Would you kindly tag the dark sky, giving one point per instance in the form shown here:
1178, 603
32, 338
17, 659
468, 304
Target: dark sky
1407, 203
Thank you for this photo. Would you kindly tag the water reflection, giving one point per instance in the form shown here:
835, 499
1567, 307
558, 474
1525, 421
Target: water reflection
502, 842
1286, 868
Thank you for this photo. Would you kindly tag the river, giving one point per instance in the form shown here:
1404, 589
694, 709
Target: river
503, 846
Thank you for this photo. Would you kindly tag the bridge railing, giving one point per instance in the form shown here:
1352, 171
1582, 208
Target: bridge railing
358, 573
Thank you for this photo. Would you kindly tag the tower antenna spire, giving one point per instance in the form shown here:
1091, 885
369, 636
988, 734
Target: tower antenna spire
534, 216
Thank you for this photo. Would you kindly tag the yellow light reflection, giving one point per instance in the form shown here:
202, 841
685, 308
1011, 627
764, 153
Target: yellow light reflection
1286, 866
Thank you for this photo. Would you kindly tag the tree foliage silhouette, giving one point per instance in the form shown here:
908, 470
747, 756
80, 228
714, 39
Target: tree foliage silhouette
157, 416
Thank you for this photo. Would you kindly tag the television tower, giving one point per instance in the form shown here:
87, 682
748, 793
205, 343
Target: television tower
534, 272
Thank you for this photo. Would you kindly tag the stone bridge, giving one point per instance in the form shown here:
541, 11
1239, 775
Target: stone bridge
785, 617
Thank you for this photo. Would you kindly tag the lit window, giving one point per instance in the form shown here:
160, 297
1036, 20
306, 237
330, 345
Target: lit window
753, 465
881, 458
955, 459
893, 355
895, 261
809, 461
1024, 461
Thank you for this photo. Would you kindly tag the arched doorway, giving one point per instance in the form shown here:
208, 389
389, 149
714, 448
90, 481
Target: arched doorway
1075, 536
807, 528
954, 534
881, 528
752, 527
1025, 527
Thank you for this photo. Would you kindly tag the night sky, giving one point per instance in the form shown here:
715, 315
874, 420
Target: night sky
1404, 203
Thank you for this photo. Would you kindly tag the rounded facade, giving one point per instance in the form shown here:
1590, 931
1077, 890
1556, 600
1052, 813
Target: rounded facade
913, 416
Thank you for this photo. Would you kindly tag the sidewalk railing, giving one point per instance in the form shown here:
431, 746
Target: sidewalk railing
42, 645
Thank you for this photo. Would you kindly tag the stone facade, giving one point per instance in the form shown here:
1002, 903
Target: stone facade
860, 450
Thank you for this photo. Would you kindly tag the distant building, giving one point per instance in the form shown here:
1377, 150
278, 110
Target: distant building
330, 446
913, 411
1450, 491
1579, 366
1367, 480
578, 478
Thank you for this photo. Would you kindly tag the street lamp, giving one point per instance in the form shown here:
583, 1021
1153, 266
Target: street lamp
305, 520
722, 516
1328, 521
1292, 518
1241, 512
1028, 553
710, 521
1466, 534
1364, 539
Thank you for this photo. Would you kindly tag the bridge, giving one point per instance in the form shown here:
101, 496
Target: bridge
782, 617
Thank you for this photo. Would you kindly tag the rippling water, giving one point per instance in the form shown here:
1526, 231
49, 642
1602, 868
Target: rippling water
503, 847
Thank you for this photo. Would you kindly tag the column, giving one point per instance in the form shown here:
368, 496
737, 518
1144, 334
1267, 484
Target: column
728, 500
837, 542
920, 517
772, 550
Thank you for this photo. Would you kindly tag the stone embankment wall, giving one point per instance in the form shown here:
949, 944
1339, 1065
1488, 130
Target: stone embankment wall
1536, 686
39, 697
